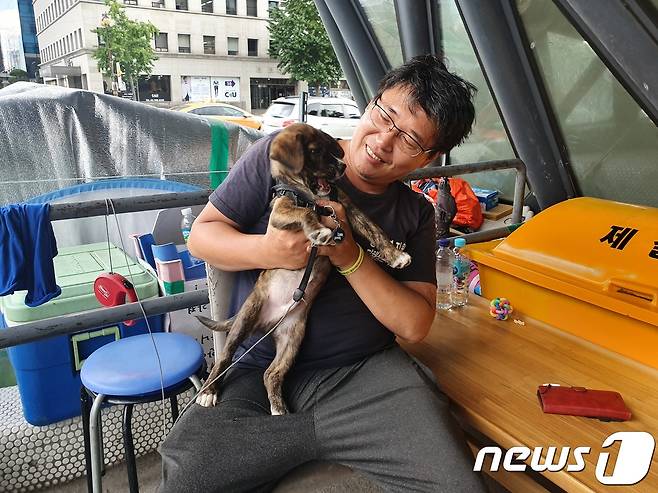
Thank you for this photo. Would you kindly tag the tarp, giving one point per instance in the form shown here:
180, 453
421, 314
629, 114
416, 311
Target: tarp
53, 137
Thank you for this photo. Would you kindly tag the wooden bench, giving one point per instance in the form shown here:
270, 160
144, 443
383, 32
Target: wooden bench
490, 370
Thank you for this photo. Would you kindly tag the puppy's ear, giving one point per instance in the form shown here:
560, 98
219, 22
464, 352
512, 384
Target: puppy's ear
287, 149
332, 145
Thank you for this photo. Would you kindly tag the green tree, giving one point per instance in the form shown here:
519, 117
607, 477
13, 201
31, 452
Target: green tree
15, 75
18, 74
125, 48
299, 42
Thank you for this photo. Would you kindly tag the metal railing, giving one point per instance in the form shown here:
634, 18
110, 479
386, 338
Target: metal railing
68, 324
462, 169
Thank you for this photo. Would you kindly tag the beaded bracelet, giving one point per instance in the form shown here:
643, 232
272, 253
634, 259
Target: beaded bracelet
355, 265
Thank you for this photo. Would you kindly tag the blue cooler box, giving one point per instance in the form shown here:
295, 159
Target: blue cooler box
48, 371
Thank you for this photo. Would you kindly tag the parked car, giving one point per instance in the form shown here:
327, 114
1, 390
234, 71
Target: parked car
336, 116
221, 111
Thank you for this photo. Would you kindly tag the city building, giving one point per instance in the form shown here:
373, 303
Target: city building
18, 39
207, 50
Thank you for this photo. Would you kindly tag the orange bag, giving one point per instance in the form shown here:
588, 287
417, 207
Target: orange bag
469, 212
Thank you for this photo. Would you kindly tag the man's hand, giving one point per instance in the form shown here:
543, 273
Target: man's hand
285, 249
345, 253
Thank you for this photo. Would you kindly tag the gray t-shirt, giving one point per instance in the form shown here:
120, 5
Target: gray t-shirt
340, 329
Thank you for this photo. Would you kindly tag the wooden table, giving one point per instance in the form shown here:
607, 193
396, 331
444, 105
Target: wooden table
491, 369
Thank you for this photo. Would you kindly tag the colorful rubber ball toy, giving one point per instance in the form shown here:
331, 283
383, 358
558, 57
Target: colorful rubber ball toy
500, 308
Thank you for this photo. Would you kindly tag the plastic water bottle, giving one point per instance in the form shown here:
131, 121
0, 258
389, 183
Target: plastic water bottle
460, 271
186, 223
444, 262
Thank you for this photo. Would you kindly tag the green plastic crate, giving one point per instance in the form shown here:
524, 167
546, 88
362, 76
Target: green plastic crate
76, 268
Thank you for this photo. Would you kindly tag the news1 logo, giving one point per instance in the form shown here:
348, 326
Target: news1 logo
632, 464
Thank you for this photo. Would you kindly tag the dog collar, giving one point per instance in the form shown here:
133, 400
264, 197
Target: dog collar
300, 199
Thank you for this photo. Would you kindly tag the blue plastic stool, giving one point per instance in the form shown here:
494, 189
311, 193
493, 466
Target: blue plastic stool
126, 372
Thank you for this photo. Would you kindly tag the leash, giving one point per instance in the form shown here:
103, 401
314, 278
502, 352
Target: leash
233, 363
109, 204
299, 292
300, 199
338, 234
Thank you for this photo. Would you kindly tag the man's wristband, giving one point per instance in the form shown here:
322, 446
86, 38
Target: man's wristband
352, 269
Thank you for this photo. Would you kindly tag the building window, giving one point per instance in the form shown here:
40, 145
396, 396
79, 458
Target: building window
181, 5
231, 7
206, 6
161, 42
232, 46
209, 45
184, 43
252, 9
130, 2
252, 47
158, 5
271, 5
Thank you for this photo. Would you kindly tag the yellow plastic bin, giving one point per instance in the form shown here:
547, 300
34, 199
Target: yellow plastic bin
586, 266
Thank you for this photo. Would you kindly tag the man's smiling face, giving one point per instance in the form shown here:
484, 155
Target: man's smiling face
374, 158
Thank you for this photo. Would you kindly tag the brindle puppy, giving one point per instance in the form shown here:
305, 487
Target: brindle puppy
307, 159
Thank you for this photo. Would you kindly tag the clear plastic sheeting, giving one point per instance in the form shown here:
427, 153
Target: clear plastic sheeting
53, 137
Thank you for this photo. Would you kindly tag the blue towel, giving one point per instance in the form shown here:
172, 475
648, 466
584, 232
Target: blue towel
27, 249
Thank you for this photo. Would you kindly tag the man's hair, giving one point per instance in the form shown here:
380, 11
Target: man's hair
446, 98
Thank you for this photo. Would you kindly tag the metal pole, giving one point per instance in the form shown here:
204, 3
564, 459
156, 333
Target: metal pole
490, 234
343, 55
303, 103
68, 324
512, 75
358, 40
96, 444
608, 28
461, 169
76, 322
128, 204
519, 192
413, 27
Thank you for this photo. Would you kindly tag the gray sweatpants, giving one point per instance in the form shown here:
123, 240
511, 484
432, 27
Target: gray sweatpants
379, 416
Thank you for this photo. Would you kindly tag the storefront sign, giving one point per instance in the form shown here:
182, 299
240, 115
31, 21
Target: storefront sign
225, 89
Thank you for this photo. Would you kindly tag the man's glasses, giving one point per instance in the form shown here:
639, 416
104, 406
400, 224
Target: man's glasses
405, 142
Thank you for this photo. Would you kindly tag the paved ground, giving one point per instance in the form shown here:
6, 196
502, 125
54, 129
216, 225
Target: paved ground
115, 479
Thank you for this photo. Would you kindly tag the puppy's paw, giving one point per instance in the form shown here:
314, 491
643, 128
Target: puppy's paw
278, 411
207, 398
402, 259
322, 236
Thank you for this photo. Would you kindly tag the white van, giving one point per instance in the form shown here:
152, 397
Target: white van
336, 116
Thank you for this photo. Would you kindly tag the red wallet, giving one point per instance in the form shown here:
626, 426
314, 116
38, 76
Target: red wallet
579, 401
